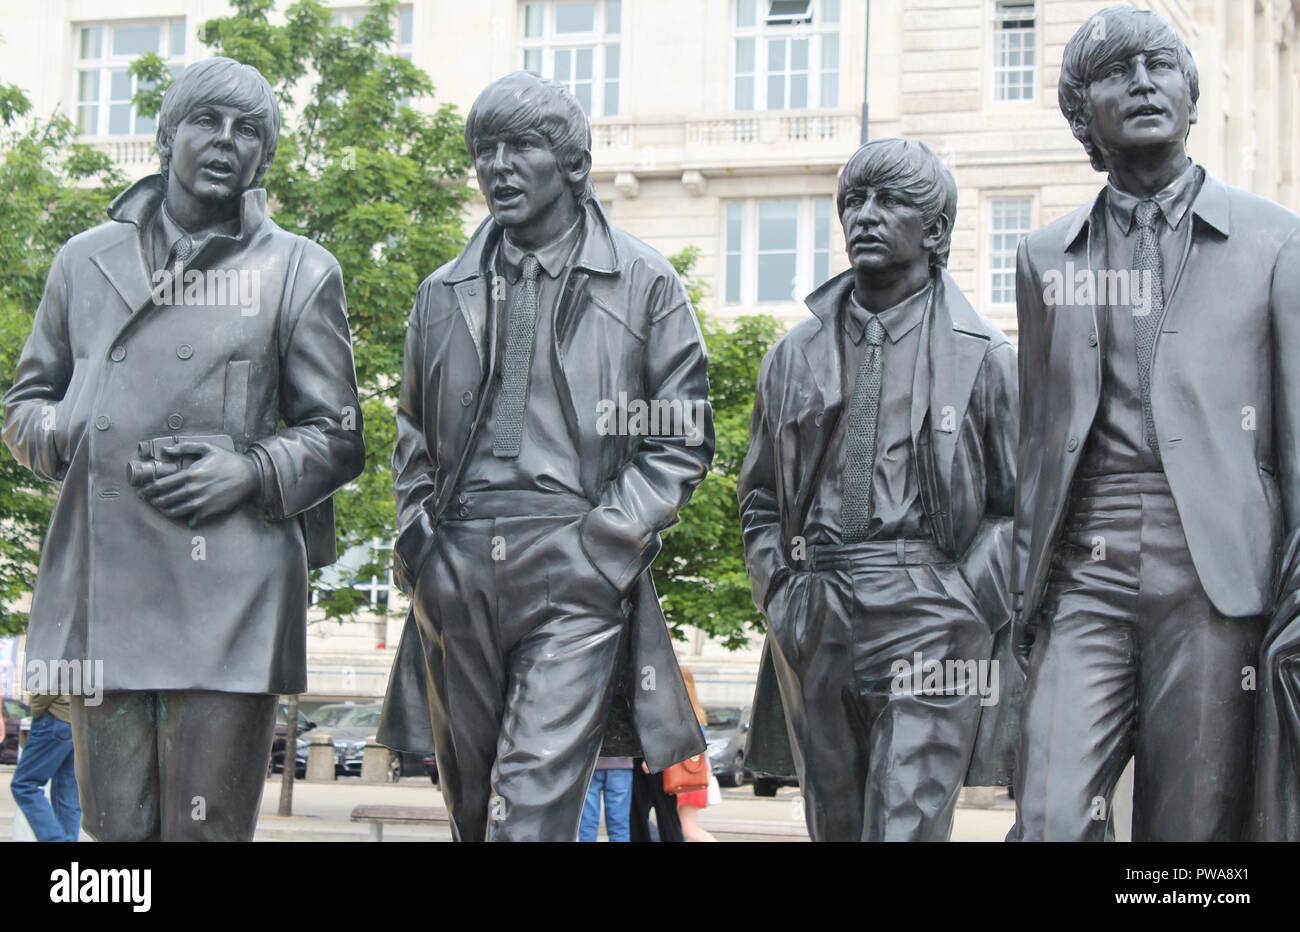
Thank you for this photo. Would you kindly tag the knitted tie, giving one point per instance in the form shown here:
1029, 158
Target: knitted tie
1146, 317
860, 442
508, 418
181, 250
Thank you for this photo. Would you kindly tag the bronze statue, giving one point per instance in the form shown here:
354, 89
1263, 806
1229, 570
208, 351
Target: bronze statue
1158, 474
876, 501
530, 505
189, 381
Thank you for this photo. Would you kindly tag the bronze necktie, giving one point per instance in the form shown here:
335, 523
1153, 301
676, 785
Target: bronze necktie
860, 442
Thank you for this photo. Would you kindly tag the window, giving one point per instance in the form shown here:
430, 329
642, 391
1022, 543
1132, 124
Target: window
104, 86
1010, 221
775, 250
403, 25
1014, 70
786, 54
577, 45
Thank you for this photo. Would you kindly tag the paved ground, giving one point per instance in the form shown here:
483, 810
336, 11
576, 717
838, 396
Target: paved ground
322, 810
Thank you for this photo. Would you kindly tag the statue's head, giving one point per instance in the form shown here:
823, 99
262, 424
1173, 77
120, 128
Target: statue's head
218, 129
1127, 82
897, 202
531, 145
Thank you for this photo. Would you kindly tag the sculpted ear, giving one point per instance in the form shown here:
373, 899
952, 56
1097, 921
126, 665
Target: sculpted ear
578, 170
935, 232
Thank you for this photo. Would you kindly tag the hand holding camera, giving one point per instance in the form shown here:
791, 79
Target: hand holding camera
193, 478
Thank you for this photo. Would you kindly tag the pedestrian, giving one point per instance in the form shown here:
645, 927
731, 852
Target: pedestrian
48, 758
689, 804
612, 781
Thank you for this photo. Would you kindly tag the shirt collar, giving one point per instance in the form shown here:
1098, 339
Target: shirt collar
898, 320
1173, 201
552, 257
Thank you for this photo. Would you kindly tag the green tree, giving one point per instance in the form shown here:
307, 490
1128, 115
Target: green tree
701, 571
53, 188
379, 184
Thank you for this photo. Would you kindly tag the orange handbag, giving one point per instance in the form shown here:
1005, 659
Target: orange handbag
687, 776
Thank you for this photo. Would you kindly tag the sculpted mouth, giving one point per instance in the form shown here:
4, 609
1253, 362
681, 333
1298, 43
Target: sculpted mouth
1147, 110
219, 167
505, 192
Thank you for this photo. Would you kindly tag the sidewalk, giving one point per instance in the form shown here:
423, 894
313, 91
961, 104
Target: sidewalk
322, 811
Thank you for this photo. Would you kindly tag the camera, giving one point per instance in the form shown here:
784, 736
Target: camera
149, 463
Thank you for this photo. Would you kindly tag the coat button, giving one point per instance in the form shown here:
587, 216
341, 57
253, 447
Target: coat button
472, 292
1092, 339
102, 422
464, 499
118, 354
466, 398
818, 419
464, 512
1072, 444
175, 421
184, 351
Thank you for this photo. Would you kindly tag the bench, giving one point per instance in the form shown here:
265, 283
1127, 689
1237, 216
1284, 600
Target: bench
754, 829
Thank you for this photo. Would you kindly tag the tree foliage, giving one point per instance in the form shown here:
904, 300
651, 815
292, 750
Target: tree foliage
701, 571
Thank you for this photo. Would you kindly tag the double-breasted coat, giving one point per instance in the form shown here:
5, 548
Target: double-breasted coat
113, 360
624, 329
964, 438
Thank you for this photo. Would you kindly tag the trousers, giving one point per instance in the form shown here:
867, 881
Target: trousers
615, 787
878, 758
522, 636
48, 758
1133, 661
184, 765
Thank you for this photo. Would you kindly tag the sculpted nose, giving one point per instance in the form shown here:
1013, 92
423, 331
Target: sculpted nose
1141, 78
226, 134
499, 163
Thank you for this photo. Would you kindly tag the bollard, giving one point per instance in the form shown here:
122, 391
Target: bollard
375, 764
320, 759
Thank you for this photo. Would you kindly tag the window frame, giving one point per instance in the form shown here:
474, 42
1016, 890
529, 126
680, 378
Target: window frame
600, 40
761, 33
106, 64
994, 59
806, 243
989, 203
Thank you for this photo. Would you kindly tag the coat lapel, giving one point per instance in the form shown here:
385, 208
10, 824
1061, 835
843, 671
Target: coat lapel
957, 346
124, 265
821, 352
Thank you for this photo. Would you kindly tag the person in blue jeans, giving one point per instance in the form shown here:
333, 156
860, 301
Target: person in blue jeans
613, 781
47, 758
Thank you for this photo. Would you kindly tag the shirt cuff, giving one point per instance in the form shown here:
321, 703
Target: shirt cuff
269, 494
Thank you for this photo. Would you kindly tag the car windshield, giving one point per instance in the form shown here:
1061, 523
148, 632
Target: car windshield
331, 714
360, 717
722, 720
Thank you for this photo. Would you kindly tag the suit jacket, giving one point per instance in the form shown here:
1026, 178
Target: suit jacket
223, 605
964, 436
1225, 391
624, 329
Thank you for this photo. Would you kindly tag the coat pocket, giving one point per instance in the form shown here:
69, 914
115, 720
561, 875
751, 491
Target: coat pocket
234, 407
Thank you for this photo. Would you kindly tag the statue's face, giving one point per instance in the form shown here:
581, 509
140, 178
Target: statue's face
883, 232
1144, 101
521, 178
216, 152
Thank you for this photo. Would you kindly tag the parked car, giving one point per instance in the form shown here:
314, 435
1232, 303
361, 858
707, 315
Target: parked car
726, 732
349, 725
305, 725
14, 712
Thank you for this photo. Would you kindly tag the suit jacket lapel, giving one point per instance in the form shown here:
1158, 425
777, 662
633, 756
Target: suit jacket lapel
821, 351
